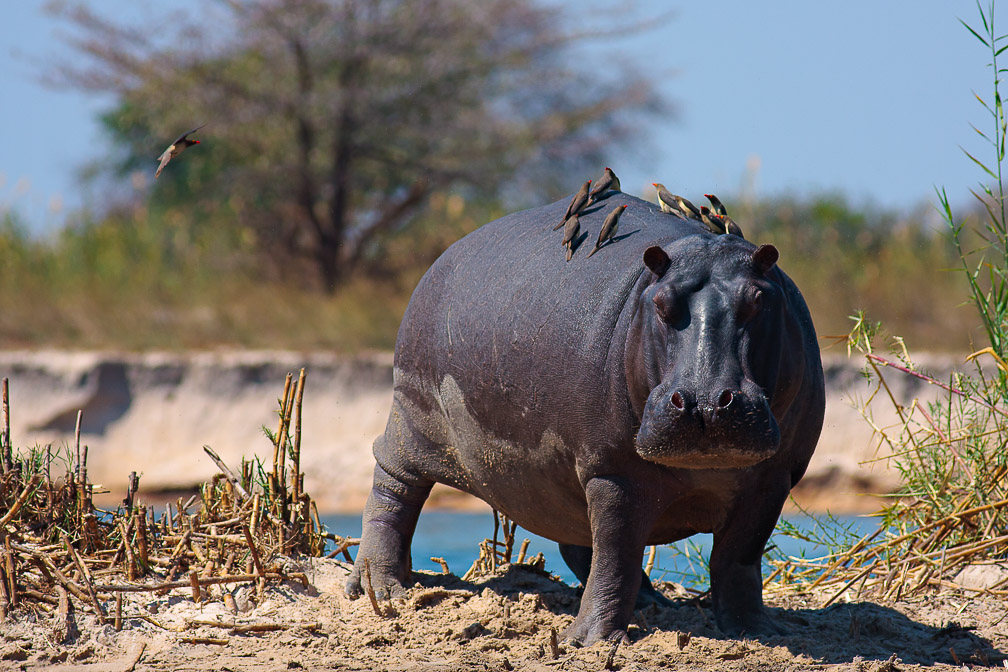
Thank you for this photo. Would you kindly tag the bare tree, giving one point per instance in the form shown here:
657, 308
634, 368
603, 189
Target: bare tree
333, 121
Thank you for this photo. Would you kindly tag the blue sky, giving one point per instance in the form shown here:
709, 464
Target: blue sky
870, 99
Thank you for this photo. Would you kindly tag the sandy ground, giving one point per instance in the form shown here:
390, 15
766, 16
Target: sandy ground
501, 622
152, 413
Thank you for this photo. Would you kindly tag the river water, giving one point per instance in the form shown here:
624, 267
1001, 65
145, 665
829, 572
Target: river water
455, 536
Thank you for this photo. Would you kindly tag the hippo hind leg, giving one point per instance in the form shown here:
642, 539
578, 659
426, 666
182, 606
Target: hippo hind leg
578, 558
390, 518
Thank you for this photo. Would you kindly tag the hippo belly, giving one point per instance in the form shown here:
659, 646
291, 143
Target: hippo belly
505, 474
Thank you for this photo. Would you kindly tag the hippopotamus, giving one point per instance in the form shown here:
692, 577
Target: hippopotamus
669, 385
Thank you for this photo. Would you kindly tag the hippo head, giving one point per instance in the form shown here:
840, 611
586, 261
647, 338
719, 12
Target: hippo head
710, 332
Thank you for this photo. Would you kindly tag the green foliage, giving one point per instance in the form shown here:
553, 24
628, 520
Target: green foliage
147, 277
884, 262
333, 123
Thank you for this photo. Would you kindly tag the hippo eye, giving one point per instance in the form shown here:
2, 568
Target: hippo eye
751, 304
664, 301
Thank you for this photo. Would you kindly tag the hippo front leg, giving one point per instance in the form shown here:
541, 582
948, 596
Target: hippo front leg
736, 576
578, 559
390, 518
619, 527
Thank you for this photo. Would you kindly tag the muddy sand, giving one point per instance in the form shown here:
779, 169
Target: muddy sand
503, 621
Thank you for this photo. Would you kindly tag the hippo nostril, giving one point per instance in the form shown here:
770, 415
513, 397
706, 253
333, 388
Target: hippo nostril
677, 401
725, 399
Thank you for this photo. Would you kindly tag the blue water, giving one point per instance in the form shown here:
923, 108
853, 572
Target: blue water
455, 536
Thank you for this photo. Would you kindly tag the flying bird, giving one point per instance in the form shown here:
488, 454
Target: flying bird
716, 205
572, 227
609, 228
666, 200
608, 182
577, 203
175, 148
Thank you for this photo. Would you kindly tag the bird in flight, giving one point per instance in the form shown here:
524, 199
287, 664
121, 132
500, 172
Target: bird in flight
175, 148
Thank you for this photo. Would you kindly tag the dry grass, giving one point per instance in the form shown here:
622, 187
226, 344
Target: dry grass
952, 509
59, 552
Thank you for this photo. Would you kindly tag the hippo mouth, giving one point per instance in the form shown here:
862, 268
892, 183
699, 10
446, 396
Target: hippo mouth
730, 431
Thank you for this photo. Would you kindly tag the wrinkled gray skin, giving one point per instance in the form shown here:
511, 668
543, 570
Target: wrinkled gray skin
669, 385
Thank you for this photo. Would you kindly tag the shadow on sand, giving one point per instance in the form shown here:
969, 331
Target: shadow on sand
840, 633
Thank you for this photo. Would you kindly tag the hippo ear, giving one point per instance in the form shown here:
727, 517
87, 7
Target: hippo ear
657, 260
765, 257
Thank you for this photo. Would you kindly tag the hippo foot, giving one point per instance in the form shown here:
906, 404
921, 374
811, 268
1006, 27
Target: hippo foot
385, 581
585, 632
648, 595
750, 624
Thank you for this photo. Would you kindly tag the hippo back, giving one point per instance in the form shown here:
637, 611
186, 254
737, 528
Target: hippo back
502, 310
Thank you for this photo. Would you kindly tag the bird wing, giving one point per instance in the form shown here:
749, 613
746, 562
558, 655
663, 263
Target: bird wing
187, 133
599, 188
604, 233
164, 159
571, 229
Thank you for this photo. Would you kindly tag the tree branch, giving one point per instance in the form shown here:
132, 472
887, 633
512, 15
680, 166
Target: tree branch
390, 216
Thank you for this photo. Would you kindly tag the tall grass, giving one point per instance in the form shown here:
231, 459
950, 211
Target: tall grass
952, 454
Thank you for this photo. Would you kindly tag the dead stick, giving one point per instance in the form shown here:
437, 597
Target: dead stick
12, 595
611, 658
253, 551
522, 551
60, 577
296, 450
4, 599
83, 479
276, 444
203, 623
118, 613
141, 527
22, 498
227, 472
369, 588
258, 627
80, 414
40, 597
181, 545
204, 640
136, 658
493, 555
185, 583
342, 548
128, 548
5, 441
282, 465
85, 577
932, 381
650, 562
847, 585
194, 582
66, 621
